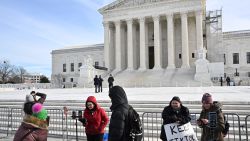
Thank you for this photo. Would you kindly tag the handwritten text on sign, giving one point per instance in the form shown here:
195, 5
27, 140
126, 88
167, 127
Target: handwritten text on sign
176, 132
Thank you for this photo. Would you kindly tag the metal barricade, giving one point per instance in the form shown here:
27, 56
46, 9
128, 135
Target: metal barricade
247, 122
56, 122
4, 122
152, 123
16, 119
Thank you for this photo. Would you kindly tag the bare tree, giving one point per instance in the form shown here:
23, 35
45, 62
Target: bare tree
6, 70
20, 71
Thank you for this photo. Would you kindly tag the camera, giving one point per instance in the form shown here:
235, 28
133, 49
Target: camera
75, 115
212, 118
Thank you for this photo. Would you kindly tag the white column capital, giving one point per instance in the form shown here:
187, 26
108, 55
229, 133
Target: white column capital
105, 23
170, 15
142, 19
118, 22
156, 17
184, 14
129, 21
198, 13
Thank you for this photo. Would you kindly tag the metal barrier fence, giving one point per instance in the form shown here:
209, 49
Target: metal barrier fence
247, 122
5, 121
152, 123
63, 126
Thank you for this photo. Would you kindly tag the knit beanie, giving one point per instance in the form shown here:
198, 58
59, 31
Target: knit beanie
176, 98
39, 112
41, 115
36, 108
207, 98
29, 98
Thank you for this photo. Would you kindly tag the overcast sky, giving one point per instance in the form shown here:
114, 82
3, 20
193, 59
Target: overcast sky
31, 29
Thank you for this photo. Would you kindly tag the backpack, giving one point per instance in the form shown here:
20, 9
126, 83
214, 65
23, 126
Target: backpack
226, 129
134, 125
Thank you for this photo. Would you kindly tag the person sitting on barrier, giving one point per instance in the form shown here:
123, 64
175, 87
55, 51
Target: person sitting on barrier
211, 119
94, 119
33, 127
175, 112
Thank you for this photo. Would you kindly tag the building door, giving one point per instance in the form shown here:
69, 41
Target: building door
151, 57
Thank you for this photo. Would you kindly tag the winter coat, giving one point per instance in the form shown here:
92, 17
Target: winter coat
111, 79
96, 81
96, 119
39, 129
207, 133
119, 110
100, 81
169, 115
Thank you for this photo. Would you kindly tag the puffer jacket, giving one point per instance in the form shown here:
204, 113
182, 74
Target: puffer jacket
169, 115
212, 133
119, 108
96, 119
37, 129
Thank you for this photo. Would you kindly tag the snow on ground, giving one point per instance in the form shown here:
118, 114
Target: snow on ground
224, 93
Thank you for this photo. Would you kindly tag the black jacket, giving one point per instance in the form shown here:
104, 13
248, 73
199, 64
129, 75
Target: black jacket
169, 115
119, 110
111, 79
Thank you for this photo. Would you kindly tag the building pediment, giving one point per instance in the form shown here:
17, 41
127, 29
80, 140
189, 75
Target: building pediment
119, 4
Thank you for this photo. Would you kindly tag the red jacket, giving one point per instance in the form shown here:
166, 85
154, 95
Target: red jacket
96, 120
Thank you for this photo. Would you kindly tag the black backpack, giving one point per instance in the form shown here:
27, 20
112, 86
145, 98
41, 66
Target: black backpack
226, 129
134, 125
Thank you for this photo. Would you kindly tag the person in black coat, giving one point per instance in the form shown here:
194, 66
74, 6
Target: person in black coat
96, 83
119, 108
175, 112
110, 81
100, 84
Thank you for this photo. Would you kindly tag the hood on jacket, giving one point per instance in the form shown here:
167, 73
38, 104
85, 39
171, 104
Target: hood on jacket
93, 100
117, 96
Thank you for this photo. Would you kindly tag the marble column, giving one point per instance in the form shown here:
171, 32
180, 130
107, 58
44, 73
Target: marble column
199, 30
142, 44
184, 36
130, 36
171, 52
118, 59
106, 45
157, 42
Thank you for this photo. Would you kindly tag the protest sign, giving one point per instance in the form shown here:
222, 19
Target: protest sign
177, 132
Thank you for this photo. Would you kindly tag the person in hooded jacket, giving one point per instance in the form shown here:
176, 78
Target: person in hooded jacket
119, 109
94, 119
209, 133
175, 112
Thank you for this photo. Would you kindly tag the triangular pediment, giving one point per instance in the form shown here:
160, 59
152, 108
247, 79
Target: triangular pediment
130, 3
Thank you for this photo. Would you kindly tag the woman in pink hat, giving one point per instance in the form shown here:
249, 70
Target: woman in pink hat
211, 119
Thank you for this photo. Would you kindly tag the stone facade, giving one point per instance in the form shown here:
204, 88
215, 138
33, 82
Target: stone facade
66, 63
152, 34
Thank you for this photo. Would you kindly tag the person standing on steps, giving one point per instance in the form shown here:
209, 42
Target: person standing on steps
111, 81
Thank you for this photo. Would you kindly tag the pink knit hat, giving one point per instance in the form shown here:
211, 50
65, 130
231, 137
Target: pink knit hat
36, 108
207, 98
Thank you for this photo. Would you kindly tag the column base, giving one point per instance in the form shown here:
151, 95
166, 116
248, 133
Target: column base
142, 69
185, 67
130, 69
170, 67
157, 68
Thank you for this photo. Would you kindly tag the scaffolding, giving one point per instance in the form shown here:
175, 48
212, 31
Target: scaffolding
213, 38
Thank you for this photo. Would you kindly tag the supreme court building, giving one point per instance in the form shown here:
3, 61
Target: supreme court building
152, 34
158, 41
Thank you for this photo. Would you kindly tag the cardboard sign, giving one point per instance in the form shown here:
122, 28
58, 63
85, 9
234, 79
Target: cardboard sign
177, 132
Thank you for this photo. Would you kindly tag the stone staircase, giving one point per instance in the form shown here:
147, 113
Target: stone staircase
64, 127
